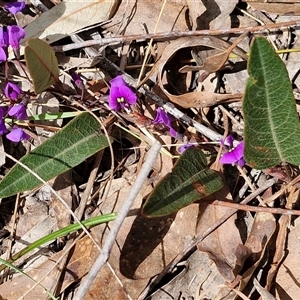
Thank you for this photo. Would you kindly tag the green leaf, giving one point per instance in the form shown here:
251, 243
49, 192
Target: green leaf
42, 64
77, 141
272, 130
189, 181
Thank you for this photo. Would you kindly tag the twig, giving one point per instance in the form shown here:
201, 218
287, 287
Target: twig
272, 210
103, 257
171, 35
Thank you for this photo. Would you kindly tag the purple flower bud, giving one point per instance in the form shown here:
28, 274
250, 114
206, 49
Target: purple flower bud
233, 155
18, 111
120, 94
17, 135
3, 128
12, 91
15, 34
14, 7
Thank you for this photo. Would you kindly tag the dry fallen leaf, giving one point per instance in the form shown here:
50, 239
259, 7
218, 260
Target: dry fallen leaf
265, 295
144, 246
287, 279
194, 99
222, 244
202, 99
281, 7
79, 264
199, 279
68, 17
263, 228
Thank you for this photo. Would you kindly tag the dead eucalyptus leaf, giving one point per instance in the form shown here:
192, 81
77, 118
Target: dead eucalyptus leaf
79, 264
265, 295
281, 7
68, 17
222, 244
216, 62
186, 42
194, 99
262, 230
201, 99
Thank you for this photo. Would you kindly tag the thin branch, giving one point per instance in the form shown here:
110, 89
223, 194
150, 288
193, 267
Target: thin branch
169, 35
272, 210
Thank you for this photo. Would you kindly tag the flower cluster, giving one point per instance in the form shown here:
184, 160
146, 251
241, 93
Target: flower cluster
11, 36
16, 111
233, 154
122, 97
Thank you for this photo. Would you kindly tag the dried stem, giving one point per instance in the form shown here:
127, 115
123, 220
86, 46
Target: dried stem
172, 35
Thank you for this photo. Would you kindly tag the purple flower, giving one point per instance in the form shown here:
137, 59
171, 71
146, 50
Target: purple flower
163, 118
3, 128
15, 34
17, 135
14, 7
120, 95
4, 43
3, 111
3, 56
182, 148
233, 154
12, 91
77, 80
18, 111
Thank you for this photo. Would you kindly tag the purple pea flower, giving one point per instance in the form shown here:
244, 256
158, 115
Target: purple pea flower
15, 7
3, 56
18, 111
12, 91
3, 128
163, 118
15, 34
4, 43
3, 111
17, 135
120, 96
77, 80
233, 154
